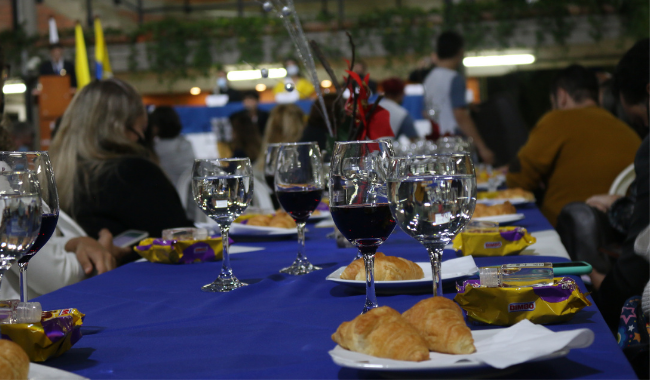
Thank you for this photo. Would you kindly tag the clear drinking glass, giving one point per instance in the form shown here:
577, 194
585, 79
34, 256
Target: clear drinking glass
270, 165
299, 188
39, 164
21, 213
223, 189
432, 198
359, 201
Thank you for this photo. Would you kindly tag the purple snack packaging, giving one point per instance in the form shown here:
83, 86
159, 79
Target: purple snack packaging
182, 251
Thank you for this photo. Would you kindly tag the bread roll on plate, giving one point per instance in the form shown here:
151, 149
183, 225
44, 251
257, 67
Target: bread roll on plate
384, 333
14, 362
387, 268
440, 322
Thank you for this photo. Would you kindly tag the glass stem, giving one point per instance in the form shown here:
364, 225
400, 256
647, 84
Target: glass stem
369, 262
300, 226
435, 255
22, 270
226, 270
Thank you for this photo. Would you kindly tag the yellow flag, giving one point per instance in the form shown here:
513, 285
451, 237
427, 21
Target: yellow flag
81, 58
102, 63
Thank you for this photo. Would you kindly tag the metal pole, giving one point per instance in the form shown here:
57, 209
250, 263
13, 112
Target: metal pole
89, 12
240, 8
341, 12
140, 13
14, 14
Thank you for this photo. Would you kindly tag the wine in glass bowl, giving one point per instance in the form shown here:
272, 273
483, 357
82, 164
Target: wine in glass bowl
432, 198
21, 209
223, 189
38, 163
359, 203
299, 204
299, 189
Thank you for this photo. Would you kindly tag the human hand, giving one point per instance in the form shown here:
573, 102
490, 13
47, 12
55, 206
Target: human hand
91, 254
486, 155
106, 240
602, 202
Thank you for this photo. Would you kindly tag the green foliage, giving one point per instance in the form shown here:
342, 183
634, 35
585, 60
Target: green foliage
13, 42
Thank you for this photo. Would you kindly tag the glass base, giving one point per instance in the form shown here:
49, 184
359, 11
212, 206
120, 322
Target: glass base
223, 285
300, 267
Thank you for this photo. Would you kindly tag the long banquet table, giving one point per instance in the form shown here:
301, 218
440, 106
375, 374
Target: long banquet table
146, 320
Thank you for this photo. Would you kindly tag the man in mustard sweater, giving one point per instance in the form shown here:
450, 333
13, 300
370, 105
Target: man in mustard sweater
577, 149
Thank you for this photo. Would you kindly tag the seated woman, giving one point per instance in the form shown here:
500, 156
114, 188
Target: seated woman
105, 176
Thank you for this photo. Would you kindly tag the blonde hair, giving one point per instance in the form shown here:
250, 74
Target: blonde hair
93, 135
285, 125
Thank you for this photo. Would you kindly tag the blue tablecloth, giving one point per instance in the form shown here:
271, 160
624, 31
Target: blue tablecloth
197, 119
146, 320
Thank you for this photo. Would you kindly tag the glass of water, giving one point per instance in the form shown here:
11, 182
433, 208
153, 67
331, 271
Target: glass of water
432, 199
223, 189
21, 212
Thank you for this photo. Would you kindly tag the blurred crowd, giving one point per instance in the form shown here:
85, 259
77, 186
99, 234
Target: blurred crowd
119, 167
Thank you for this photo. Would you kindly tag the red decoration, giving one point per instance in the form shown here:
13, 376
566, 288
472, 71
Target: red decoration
369, 121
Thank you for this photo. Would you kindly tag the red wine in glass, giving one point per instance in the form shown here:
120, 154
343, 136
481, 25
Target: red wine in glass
365, 224
299, 204
48, 225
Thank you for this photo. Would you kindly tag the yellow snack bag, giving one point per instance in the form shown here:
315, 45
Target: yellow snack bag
507, 241
55, 334
506, 306
180, 252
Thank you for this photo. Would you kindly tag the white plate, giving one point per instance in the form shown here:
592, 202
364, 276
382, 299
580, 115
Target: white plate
238, 229
483, 186
501, 219
39, 371
317, 218
514, 201
397, 285
356, 360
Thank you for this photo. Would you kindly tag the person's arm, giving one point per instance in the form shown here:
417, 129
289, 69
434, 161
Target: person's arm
535, 159
464, 120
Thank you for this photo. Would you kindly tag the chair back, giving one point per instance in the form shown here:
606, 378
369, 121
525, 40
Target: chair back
623, 181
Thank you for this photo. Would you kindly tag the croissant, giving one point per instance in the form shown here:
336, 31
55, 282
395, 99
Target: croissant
516, 193
14, 362
282, 221
387, 268
384, 333
259, 220
505, 208
440, 322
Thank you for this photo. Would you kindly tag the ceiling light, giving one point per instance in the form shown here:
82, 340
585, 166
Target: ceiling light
14, 88
260, 87
326, 83
499, 60
255, 74
195, 90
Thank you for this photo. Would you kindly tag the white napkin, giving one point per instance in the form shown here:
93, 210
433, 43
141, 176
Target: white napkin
462, 266
521, 343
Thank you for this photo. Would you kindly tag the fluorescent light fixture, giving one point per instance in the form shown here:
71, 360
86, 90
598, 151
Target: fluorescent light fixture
14, 88
499, 60
255, 74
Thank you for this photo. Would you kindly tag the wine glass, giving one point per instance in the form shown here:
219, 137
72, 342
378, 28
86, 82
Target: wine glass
432, 198
270, 165
39, 164
20, 216
359, 202
223, 189
299, 188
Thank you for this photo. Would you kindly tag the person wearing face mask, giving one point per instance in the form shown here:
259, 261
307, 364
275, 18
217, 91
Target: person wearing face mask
576, 150
105, 177
301, 86
223, 87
